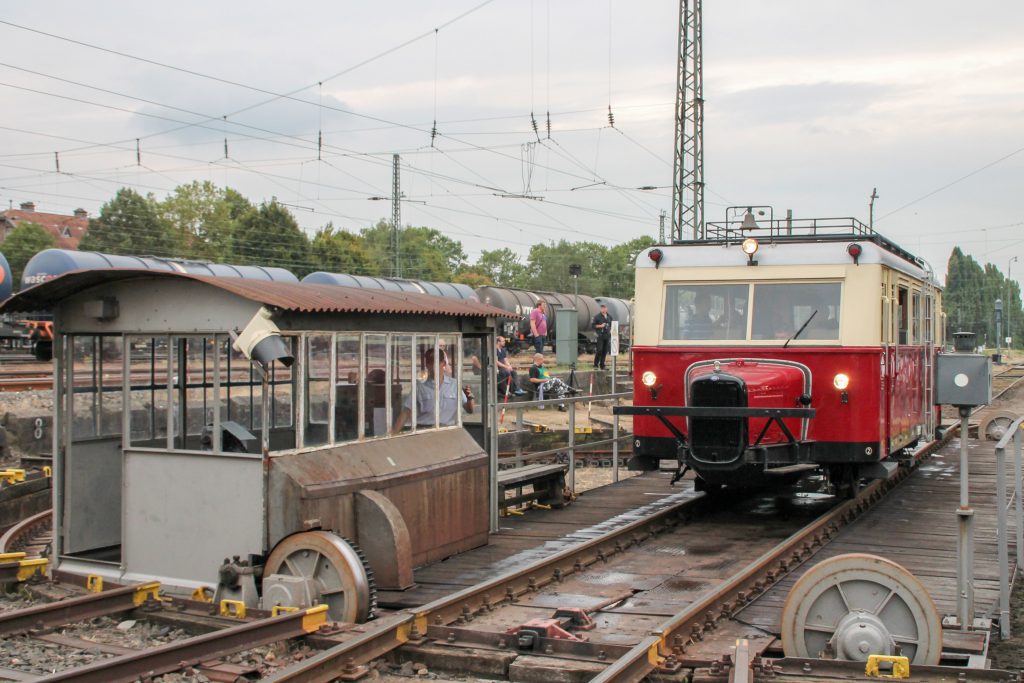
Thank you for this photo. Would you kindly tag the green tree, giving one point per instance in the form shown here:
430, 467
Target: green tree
202, 219
549, 267
339, 251
620, 267
130, 224
503, 266
472, 277
426, 254
270, 236
22, 243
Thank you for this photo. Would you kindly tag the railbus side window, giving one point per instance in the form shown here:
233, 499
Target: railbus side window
706, 312
915, 319
903, 314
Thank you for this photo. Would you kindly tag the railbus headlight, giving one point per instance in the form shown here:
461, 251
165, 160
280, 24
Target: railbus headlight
648, 378
841, 382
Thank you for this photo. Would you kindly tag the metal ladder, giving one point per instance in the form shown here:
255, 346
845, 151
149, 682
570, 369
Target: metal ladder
928, 292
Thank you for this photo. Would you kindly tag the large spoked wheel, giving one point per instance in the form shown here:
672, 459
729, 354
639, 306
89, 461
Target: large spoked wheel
856, 605
995, 426
320, 567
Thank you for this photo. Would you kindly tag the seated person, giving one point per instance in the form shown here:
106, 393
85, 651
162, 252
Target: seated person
508, 382
699, 324
545, 385
449, 392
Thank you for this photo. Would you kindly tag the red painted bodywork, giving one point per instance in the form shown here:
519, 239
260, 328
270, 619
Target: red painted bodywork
768, 386
884, 395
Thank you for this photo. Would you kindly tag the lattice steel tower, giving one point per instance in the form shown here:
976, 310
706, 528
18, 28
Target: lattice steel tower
688, 180
396, 217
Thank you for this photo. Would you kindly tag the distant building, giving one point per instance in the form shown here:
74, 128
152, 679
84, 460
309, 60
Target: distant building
66, 230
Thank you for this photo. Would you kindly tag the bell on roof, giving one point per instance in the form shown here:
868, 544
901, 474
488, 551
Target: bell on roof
749, 222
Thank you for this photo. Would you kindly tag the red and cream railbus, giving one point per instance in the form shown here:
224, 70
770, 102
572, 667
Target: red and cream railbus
767, 350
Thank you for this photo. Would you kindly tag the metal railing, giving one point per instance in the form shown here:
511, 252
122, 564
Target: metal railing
1014, 433
569, 449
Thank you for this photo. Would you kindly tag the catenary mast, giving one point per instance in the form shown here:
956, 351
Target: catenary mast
688, 167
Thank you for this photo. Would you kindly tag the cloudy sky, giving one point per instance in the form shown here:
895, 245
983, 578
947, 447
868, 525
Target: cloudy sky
809, 105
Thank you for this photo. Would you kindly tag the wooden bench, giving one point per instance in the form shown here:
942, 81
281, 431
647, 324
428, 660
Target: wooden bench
547, 482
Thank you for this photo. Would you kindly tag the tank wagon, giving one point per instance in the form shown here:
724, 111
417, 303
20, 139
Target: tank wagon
277, 409
522, 301
452, 290
517, 301
50, 263
6, 279
770, 350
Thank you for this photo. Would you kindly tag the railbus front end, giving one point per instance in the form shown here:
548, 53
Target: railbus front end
815, 354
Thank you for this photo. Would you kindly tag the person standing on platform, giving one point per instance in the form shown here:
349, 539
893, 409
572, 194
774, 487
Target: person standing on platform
602, 325
539, 326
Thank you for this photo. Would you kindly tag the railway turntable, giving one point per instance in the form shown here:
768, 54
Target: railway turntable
288, 443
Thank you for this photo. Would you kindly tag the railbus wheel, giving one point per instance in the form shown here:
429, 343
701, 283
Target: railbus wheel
320, 567
855, 605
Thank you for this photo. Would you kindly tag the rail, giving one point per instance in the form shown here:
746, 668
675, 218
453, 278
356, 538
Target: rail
1014, 433
498, 411
666, 642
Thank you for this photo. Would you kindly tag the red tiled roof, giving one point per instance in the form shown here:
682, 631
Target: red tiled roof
56, 224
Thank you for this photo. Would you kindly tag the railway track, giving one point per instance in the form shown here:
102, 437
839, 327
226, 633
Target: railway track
476, 620
479, 617
201, 652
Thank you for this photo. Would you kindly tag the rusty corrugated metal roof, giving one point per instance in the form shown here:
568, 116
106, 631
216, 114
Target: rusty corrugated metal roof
287, 296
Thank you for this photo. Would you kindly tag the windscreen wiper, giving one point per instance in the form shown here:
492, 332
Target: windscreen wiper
797, 334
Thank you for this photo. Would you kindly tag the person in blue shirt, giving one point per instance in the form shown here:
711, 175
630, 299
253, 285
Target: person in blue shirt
448, 392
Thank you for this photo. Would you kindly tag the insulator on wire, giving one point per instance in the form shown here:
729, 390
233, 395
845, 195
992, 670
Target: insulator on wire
56, 159
536, 128
549, 125
138, 153
611, 117
226, 149
433, 133
319, 143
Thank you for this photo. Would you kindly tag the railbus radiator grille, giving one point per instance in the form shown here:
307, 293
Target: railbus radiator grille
718, 439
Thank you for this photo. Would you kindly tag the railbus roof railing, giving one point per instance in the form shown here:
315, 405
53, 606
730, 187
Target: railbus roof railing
831, 229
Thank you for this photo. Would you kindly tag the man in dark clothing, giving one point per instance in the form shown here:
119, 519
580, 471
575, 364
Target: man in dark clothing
603, 327
506, 372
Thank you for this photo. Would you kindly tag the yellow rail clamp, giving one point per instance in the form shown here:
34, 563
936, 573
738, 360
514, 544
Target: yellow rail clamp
12, 476
47, 471
314, 618
202, 594
539, 506
11, 557
232, 608
33, 567
147, 591
584, 430
278, 610
94, 583
509, 512
900, 666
